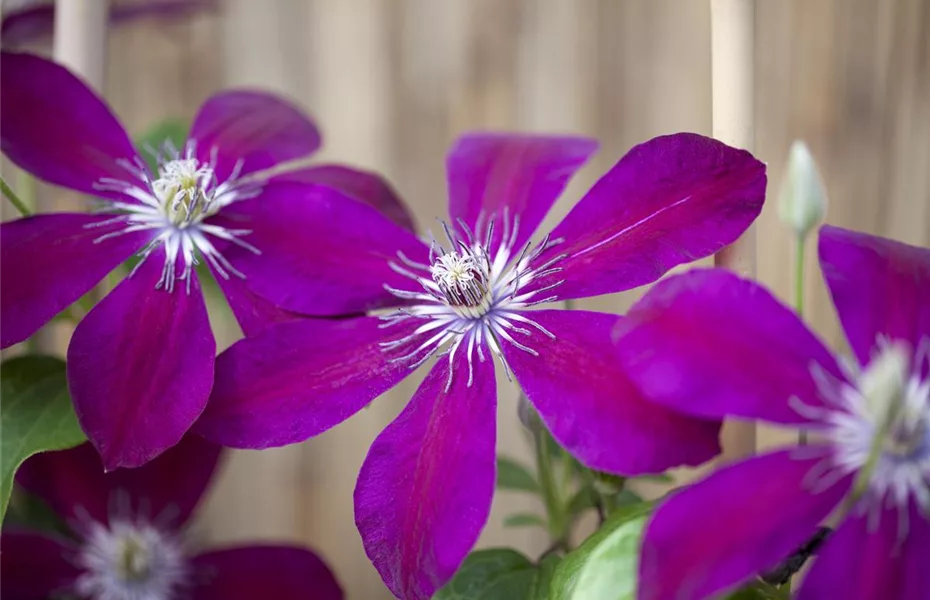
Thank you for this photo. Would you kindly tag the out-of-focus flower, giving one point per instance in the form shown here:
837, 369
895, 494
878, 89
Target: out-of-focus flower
802, 199
27, 20
140, 364
127, 539
710, 344
425, 489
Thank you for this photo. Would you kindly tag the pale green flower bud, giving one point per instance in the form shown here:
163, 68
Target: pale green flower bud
802, 200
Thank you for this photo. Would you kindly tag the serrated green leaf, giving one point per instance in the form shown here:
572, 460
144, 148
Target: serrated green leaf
35, 416
610, 573
567, 573
524, 520
511, 475
498, 573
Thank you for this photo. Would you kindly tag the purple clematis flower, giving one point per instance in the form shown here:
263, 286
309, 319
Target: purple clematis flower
711, 344
28, 20
140, 364
126, 540
425, 489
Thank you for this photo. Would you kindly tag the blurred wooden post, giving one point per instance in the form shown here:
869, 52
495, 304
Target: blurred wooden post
732, 59
80, 45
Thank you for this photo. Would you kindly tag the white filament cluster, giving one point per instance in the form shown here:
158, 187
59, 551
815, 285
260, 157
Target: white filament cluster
175, 206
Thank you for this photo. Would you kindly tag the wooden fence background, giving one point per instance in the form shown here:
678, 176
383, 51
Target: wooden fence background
393, 82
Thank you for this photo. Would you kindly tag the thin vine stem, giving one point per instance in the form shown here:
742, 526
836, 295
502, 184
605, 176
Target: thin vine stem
17, 203
799, 300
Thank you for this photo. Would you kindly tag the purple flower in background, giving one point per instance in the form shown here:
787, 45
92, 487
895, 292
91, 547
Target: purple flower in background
711, 344
126, 540
27, 20
140, 364
425, 489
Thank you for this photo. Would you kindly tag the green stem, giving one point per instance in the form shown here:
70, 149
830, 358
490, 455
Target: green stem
552, 498
799, 300
18, 204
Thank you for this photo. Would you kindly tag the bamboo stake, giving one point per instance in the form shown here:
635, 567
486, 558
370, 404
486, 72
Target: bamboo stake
80, 45
732, 56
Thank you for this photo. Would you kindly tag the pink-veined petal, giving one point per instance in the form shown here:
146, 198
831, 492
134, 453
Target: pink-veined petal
140, 367
320, 252
424, 491
589, 403
740, 521
493, 176
169, 486
255, 129
669, 201
709, 343
295, 380
880, 287
253, 572
55, 127
47, 262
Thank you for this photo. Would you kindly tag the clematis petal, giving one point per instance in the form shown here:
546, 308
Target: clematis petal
73, 481
711, 344
365, 186
321, 252
669, 201
880, 287
279, 572
741, 520
35, 566
253, 312
140, 367
873, 559
53, 126
424, 491
243, 131
47, 262
296, 380
591, 406
510, 176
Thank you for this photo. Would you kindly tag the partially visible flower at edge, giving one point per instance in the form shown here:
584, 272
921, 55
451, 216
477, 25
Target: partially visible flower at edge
140, 364
711, 344
28, 20
126, 537
424, 491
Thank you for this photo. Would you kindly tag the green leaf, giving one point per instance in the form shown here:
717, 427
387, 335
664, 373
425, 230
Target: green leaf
499, 573
36, 414
511, 475
173, 130
610, 572
659, 478
567, 573
542, 585
761, 591
627, 497
524, 520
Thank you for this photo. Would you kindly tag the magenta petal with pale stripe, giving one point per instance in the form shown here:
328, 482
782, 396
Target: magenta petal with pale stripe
74, 484
322, 253
520, 176
587, 400
256, 572
47, 262
709, 343
298, 379
258, 129
140, 367
424, 491
365, 186
867, 559
53, 126
669, 201
879, 287
35, 565
740, 521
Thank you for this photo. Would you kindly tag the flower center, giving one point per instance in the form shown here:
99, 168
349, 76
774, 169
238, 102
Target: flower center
464, 279
185, 189
130, 561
